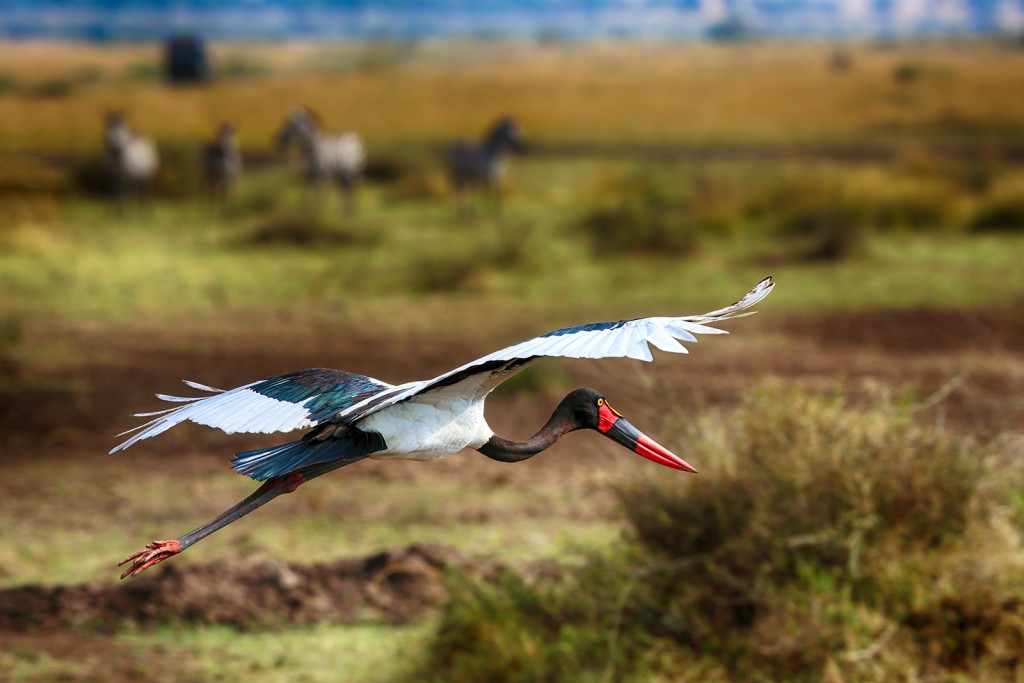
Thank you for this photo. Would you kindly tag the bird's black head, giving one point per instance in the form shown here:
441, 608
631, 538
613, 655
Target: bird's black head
588, 409
582, 407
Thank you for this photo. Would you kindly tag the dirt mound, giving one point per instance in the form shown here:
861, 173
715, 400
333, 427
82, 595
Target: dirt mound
919, 330
393, 586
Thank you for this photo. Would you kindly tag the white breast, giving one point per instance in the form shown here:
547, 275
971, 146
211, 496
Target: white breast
425, 428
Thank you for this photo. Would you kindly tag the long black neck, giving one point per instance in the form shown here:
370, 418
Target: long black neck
561, 422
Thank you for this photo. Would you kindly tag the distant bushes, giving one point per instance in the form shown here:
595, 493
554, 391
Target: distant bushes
832, 217
453, 265
645, 213
1002, 211
52, 88
824, 223
822, 541
420, 186
826, 214
298, 229
791, 214
178, 178
238, 67
8, 84
906, 73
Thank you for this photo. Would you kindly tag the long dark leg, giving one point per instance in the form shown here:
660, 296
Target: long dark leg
158, 551
348, 188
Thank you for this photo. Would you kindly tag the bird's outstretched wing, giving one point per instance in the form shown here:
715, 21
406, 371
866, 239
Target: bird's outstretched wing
308, 397
623, 338
279, 404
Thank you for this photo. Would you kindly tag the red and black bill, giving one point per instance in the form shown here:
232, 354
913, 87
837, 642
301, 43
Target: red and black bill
618, 429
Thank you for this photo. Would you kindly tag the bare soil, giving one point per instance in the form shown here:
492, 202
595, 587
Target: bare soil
392, 587
917, 331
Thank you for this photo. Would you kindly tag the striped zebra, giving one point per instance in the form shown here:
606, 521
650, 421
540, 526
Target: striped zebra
222, 162
132, 159
329, 156
479, 166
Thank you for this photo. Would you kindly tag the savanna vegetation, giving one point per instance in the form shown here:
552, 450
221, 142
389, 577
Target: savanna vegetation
831, 541
857, 518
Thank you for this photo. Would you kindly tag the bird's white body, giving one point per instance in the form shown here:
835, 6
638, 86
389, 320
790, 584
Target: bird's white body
428, 429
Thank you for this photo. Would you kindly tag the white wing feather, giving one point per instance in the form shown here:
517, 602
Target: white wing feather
624, 339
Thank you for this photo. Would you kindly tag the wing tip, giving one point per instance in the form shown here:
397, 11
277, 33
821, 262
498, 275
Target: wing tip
737, 310
757, 292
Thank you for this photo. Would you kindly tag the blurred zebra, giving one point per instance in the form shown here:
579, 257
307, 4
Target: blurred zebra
132, 159
222, 162
480, 165
339, 156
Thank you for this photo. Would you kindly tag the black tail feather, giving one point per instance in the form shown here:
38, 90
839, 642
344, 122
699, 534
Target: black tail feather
270, 462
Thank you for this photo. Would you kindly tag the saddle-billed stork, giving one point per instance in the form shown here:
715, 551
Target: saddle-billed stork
351, 417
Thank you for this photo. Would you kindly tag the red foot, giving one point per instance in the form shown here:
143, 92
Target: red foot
155, 552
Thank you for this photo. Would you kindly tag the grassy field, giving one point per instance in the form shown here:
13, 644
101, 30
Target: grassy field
896, 313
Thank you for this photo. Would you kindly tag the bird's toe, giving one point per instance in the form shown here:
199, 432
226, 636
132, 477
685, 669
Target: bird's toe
154, 553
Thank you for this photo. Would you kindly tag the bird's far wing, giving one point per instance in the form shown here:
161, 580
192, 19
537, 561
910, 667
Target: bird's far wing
619, 339
279, 404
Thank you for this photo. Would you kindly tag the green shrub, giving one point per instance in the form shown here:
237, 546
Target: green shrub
89, 175
906, 73
298, 229
384, 55
21, 175
237, 67
422, 186
453, 263
644, 214
146, 72
180, 176
831, 217
823, 540
1002, 212
51, 89
825, 224
8, 84
436, 271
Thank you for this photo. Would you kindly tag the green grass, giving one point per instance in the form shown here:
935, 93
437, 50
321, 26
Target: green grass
180, 260
319, 654
346, 517
365, 653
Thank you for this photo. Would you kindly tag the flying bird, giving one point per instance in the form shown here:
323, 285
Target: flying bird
351, 417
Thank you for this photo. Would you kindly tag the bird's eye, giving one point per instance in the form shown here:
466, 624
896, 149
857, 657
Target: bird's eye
600, 402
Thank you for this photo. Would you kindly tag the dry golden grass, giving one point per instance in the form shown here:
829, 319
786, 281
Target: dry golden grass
612, 92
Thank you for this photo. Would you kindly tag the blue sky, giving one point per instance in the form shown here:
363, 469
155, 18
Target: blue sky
119, 19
